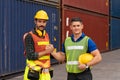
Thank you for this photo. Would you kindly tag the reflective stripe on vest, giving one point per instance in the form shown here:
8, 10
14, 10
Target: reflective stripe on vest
72, 62
43, 43
44, 57
41, 64
75, 47
32, 65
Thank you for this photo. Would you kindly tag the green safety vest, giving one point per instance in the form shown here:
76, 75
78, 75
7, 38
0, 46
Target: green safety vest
73, 51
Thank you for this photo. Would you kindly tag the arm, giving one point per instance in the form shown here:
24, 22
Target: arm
49, 49
97, 58
29, 47
60, 56
92, 48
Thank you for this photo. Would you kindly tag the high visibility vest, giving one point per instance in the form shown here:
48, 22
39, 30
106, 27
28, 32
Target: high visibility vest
39, 45
73, 51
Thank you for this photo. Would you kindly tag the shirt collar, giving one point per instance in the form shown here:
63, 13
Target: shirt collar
72, 37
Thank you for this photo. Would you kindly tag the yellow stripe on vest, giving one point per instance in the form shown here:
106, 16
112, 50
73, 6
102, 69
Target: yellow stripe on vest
44, 57
43, 43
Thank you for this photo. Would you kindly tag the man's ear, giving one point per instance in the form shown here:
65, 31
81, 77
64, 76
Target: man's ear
82, 26
70, 27
35, 21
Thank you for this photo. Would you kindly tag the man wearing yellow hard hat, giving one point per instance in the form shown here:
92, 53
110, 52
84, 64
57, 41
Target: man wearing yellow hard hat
79, 51
37, 48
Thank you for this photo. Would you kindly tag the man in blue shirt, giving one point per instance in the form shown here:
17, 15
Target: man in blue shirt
74, 46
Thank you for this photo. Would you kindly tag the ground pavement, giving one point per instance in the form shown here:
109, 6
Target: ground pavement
108, 69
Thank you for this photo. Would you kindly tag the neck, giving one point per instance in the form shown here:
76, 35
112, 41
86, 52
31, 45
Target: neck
76, 36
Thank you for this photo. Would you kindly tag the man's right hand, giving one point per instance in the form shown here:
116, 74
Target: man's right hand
49, 48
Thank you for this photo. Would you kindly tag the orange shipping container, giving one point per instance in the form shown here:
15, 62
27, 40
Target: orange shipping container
95, 26
100, 6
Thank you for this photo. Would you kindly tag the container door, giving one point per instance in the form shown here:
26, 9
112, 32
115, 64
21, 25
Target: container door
114, 8
2, 47
114, 33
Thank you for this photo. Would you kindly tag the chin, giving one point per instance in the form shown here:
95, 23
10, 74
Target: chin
77, 32
41, 28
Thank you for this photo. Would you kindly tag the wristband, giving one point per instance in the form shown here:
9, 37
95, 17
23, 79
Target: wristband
87, 66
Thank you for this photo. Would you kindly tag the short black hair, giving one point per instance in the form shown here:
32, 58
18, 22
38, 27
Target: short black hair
76, 19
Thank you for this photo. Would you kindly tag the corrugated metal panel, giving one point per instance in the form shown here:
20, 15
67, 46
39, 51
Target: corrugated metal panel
115, 9
1, 36
114, 33
100, 6
95, 26
51, 2
18, 20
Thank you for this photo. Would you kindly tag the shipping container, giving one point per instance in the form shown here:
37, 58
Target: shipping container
99, 6
95, 26
114, 8
1, 34
114, 33
16, 18
48, 2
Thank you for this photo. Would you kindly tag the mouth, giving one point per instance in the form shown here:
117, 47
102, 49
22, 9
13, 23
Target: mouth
41, 27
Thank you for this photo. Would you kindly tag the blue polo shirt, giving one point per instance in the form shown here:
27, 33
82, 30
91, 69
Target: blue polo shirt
91, 44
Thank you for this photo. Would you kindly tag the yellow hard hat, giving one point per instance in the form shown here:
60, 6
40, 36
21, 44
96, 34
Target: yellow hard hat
41, 14
85, 58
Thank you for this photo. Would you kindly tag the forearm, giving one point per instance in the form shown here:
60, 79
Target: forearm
32, 55
97, 58
42, 53
60, 56
35, 55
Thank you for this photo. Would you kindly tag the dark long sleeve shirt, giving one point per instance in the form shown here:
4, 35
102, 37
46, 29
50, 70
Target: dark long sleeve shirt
29, 47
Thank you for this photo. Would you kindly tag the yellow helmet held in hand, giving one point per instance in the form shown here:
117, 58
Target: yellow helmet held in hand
41, 14
85, 58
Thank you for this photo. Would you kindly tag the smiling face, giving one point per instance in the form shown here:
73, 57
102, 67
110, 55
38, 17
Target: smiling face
40, 24
76, 27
